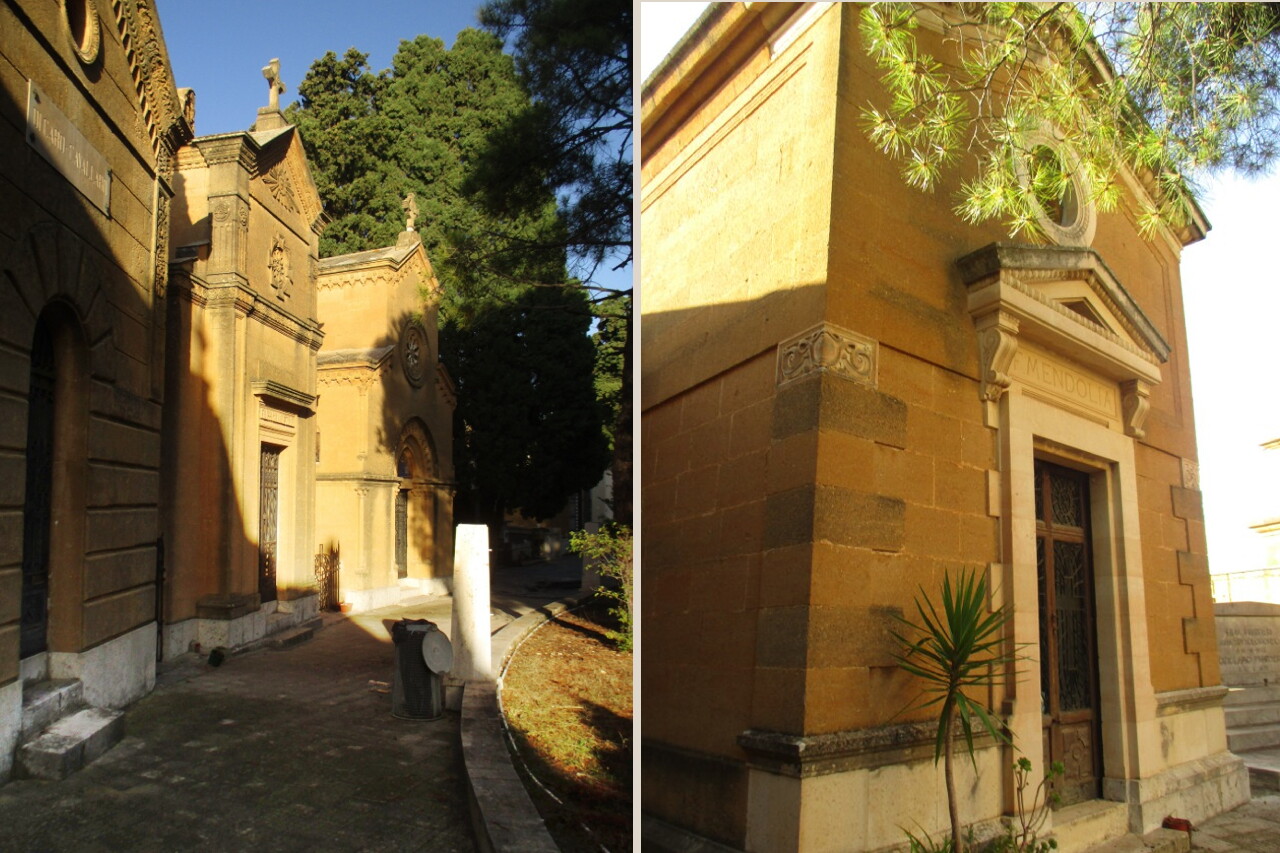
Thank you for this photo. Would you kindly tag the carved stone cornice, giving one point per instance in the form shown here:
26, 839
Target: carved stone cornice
162, 111
827, 348
284, 396
228, 148
1007, 308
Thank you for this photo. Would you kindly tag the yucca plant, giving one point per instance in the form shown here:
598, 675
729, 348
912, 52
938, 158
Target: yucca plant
961, 647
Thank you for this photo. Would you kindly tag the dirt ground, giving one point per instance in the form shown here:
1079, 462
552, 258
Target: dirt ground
567, 699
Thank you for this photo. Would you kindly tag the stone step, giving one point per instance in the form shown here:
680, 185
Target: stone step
71, 743
1086, 825
1263, 780
1253, 737
1159, 841
1256, 714
43, 702
293, 636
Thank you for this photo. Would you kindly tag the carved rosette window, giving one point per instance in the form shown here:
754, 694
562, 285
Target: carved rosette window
414, 353
278, 263
1068, 218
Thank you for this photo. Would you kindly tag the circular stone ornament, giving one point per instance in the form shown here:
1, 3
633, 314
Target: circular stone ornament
437, 652
414, 352
83, 28
1073, 220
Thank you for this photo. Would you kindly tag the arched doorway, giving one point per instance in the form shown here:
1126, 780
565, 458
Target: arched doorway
53, 497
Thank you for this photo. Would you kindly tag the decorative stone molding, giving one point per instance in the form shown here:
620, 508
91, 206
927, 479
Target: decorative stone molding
827, 348
283, 395
280, 185
1190, 474
1135, 398
803, 756
161, 112
997, 344
1008, 307
415, 352
278, 265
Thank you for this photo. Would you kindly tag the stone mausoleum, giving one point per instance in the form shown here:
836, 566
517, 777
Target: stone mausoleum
848, 393
185, 458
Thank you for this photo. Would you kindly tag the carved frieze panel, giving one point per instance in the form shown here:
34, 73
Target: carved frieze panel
827, 348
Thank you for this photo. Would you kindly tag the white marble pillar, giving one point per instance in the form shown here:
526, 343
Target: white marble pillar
470, 634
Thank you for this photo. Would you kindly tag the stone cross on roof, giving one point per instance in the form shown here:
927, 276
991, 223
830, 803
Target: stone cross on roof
272, 72
410, 206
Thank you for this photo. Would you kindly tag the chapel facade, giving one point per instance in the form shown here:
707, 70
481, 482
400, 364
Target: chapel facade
849, 394
164, 342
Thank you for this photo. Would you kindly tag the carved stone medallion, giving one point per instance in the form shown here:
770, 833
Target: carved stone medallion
414, 353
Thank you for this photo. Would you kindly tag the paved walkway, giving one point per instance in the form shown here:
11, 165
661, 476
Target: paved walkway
277, 750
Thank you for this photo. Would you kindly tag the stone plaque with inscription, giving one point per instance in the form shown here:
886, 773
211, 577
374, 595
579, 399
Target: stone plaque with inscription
51, 133
1248, 645
1065, 384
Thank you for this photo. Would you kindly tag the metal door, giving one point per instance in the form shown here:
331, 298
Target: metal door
38, 501
268, 522
1068, 640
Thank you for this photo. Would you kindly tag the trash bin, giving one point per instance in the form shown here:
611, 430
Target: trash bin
416, 691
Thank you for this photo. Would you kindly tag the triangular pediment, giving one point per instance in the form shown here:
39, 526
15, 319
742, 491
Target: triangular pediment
282, 168
1076, 284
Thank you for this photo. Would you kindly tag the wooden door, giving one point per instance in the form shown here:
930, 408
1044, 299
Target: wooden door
1068, 639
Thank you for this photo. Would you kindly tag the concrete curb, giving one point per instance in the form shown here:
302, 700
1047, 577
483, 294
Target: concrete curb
502, 814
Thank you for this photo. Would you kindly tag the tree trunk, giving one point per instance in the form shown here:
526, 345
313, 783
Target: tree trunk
953, 807
622, 437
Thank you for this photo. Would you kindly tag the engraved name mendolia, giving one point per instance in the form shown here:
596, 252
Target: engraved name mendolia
1052, 376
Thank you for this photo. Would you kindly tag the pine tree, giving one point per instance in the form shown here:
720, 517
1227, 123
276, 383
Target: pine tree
1171, 91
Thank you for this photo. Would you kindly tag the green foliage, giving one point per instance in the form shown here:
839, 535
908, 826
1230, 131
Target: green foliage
1031, 816
1172, 91
515, 326
528, 427
960, 648
574, 56
610, 548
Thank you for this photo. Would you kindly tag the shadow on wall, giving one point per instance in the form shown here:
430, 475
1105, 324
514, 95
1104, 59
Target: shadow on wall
411, 435
82, 329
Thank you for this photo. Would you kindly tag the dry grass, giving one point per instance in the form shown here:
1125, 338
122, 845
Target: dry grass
567, 699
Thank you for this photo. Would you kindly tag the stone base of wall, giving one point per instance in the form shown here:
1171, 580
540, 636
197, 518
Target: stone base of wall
10, 726
1196, 790
115, 673
242, 630
362, 600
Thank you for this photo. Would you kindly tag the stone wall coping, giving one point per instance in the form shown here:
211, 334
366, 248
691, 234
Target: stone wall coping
839, 752
1245, 608
1192, 699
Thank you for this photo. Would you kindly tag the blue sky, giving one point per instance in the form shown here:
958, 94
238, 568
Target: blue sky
1231, 293
219, 49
